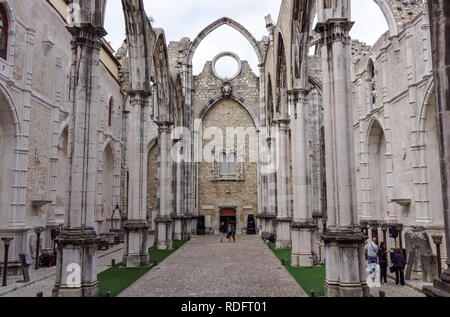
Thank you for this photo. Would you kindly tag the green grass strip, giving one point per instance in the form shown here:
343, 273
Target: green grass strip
116, 279
310, 279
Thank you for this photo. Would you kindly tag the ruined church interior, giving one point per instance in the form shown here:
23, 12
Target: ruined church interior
139, 164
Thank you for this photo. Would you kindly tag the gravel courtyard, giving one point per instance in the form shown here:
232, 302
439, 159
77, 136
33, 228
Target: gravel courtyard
203, 267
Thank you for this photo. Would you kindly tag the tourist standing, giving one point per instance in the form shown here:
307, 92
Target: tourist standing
222, 230
233, 232
372, 256
399, 267
229, 233
382, 260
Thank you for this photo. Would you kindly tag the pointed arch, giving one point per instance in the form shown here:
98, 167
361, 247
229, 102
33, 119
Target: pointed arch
376, 169
163, 110
270, 108
215, 25
234, 96
281, 77
389, 15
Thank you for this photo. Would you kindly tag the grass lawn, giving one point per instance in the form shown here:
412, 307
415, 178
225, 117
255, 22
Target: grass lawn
116, 279
310, 279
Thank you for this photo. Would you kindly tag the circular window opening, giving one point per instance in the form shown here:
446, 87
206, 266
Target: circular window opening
226, 66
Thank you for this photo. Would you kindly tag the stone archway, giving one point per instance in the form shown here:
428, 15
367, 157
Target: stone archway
13, 167
213, 26
389, 15
62, 180
107, 189
376, 151
428, 180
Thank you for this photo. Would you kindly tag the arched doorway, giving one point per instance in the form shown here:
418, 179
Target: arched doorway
8, 145
377, 171
62, 180
107, 190
228, 216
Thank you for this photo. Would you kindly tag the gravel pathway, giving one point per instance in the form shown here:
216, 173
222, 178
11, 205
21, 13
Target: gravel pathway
203, 267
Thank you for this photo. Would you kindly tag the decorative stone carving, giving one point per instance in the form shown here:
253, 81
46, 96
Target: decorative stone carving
227, 89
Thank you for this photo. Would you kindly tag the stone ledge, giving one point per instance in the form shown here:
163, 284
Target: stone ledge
344, 236
308, 224
136, 225
284, 219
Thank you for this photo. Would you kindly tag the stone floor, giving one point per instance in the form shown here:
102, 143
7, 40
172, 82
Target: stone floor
411, 289
203, 267
43, 279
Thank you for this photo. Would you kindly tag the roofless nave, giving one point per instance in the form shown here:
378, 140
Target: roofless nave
349, 137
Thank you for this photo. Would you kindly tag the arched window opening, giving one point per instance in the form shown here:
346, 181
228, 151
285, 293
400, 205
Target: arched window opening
110, 111
372, 83
223, 39
4, 28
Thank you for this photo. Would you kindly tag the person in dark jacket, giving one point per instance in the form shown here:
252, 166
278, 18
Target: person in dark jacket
399, 267
382, 260
222, 230
229, 232
272, 238
233, 232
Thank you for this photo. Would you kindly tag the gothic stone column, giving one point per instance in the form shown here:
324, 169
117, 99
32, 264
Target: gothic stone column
303, 225
284, 218
164, 220
440, 32
76, 272
345, 267
136, 226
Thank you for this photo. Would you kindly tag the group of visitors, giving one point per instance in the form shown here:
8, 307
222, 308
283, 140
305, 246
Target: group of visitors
230, 231
378, 255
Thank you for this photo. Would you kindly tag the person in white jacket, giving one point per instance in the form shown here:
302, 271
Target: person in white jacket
372, 256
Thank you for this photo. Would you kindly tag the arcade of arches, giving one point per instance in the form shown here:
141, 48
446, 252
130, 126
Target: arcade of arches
328, 142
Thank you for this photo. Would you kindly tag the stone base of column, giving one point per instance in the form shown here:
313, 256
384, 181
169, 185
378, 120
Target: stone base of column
193, 225
267, 222
186, 233
345, 263
136, 245
284, 233
441, 287
76, 268
164, 238
302, 243
178, 227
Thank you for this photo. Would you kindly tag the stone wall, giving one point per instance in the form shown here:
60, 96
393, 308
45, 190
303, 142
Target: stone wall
39, 55
394, 112
240, 194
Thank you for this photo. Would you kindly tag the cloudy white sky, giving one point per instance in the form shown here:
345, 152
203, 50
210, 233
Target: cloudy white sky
181, 18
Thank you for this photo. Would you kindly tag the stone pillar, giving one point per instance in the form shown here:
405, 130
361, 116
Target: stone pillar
136, 227
270, 190
440, 32
345, 265
283, 161
179, 218
303, 225
164, 220
76, 271
50, 221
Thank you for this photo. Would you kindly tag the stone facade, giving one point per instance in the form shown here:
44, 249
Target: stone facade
395, 129
35, 99
340, 142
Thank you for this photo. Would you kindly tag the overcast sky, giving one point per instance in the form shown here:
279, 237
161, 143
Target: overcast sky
182, 18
